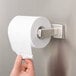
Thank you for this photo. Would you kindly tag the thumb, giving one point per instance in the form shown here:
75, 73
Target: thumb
18, 63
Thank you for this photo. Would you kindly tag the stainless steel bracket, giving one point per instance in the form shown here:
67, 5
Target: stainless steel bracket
56, 31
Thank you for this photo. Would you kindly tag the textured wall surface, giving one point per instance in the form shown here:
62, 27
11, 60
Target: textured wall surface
59, 57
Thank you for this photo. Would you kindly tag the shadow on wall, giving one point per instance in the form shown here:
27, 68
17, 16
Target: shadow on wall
57, 64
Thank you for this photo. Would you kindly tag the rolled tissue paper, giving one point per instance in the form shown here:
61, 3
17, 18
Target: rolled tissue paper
22, 34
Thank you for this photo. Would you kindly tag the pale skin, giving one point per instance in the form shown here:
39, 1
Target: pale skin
23, 69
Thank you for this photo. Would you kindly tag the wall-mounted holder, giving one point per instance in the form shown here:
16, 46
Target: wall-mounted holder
25, 32
56, 31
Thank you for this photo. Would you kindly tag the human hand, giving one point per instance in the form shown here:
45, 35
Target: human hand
22, 69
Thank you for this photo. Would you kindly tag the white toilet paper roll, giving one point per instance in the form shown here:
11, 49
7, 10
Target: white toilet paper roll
22, 33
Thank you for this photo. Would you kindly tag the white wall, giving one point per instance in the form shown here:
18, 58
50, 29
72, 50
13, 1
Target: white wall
58, 58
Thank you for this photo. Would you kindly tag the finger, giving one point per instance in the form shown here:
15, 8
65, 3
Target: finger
24, 67
29, 63
18, 62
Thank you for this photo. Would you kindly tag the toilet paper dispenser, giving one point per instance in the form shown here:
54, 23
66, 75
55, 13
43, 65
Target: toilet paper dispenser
27, 31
